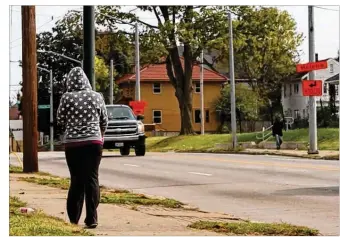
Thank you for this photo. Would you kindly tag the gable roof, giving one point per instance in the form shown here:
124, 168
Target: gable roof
157, 72
333, 80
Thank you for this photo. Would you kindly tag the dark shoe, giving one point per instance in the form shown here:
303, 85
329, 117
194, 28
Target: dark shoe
91, 226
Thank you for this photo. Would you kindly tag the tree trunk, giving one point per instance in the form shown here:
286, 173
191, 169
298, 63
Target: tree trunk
185, 107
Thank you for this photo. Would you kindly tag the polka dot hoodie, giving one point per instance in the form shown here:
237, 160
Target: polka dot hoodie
82, 112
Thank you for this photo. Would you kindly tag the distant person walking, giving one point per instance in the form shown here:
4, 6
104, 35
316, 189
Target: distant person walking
277, 132
83, 116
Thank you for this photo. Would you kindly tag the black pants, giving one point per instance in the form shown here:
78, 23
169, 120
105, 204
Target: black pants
83, 163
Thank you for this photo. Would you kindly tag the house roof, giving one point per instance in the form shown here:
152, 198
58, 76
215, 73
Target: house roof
157, 72
333, 80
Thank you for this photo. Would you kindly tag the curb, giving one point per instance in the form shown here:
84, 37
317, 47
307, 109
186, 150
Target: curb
310, 157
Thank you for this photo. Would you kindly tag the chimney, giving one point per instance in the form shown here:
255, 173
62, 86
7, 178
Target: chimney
316, 57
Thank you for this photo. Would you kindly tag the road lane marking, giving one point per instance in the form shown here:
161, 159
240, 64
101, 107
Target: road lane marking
131, 165
200, 173
268, 164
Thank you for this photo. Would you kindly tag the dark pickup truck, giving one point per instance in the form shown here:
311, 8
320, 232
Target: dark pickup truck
124, 131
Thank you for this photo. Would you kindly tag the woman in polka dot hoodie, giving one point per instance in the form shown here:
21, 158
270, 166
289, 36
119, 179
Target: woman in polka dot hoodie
82, 115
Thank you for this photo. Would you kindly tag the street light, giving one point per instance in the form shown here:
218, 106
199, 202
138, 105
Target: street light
63, 56
51, 106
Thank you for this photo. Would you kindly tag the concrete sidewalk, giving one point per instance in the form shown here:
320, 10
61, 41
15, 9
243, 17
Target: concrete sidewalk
113, 219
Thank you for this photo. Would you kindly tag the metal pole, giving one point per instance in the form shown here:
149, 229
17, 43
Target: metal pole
51, 113
137, 92
202, 96
313, 145
232, 82
30, 89
111, 82
89, 44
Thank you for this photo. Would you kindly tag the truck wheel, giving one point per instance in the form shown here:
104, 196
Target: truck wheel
125, 151
140, 150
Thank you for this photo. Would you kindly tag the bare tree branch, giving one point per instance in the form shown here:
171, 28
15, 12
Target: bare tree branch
147, 24
170, 72
157, 16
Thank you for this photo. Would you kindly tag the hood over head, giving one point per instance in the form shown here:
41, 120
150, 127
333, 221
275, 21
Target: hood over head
77, 80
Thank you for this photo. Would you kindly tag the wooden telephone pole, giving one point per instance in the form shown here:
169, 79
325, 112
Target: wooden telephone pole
30, 86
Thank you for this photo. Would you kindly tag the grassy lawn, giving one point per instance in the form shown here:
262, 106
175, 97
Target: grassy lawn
328, 139
107, 195
38, 223
249, 228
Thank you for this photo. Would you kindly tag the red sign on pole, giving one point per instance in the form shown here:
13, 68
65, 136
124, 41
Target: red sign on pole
307, 67
312, 88
138, 107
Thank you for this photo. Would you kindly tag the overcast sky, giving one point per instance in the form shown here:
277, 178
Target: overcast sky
326, 31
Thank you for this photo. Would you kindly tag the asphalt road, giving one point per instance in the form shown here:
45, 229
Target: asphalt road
261, 188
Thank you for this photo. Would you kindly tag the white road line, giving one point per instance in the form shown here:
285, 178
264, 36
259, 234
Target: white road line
131, 165
200, 173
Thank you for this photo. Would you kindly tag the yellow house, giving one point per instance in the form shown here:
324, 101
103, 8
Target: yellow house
162, 106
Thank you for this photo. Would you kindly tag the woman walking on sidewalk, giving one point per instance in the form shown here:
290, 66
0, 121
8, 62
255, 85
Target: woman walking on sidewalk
83, 116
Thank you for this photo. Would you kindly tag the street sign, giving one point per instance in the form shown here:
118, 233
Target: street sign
44, 106
307, 67
138, 107
312, 88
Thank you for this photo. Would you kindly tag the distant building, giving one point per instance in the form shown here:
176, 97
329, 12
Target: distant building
162, 105
295, 104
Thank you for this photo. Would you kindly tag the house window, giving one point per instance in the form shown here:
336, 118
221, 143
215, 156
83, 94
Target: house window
157, 116
198, 116
325, 88
296, 114
156, 88
304, 113
331, 68
296, 88
197, 87
290, 89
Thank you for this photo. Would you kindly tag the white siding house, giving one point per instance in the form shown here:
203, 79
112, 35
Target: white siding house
294, 103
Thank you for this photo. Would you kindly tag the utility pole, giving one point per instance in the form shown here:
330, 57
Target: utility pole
51, 113
313, 144
137, 92
111, 82
89, 44
30, 86
232, 82
202, 96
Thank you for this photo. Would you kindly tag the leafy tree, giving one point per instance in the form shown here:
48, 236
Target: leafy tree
177, 25
265, 44
248, 103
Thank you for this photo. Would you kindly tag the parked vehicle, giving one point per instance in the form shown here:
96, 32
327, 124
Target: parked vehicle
124, 131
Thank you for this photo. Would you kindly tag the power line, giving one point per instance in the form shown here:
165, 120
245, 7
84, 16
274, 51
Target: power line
52, 19
45, 15
329, 9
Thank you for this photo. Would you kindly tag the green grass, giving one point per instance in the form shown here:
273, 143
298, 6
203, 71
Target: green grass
249, 228
107, 195
38, 223
18, 170
328, 139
